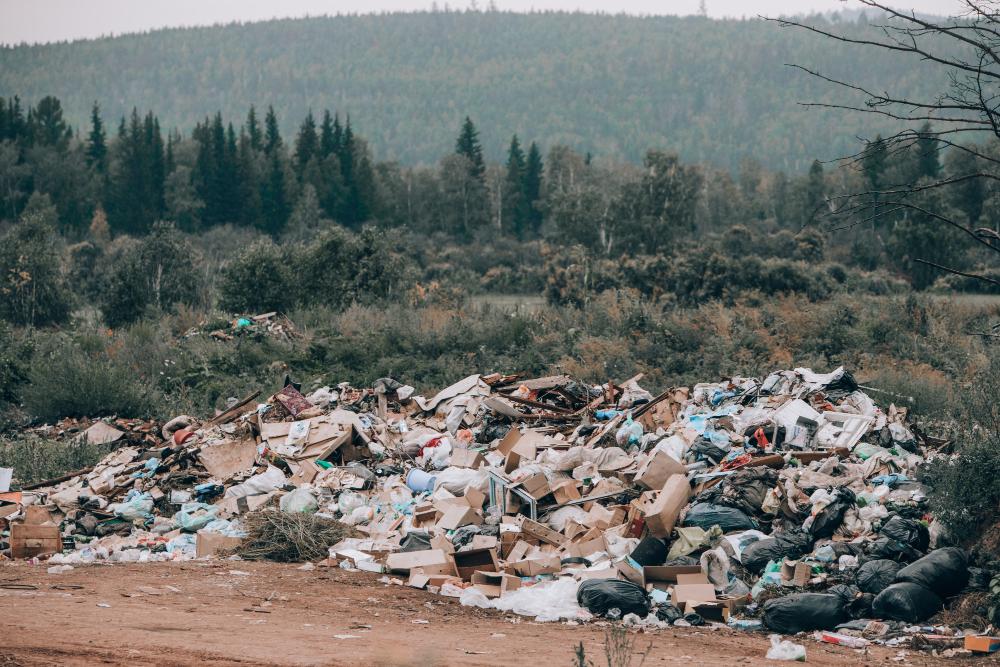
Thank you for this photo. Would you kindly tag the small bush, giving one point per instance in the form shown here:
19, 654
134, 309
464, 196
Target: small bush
258, 281
35, 459
32, 289
153, 276
84, 377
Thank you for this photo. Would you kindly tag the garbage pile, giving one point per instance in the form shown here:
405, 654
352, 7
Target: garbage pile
789, 503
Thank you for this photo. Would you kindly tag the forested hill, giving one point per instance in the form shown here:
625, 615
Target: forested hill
714, 91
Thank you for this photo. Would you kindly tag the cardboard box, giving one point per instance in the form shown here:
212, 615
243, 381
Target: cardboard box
429, 560
37, 535
982, 644
210, 544
495, 584
654, 472
796, 573
662, 577
692, 592
458, 516
536, 565
27, 540
468, 562
566, 491
662, 514
541, 532
467, 458
536, 486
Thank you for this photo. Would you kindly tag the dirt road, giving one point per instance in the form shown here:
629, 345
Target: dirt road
240, 613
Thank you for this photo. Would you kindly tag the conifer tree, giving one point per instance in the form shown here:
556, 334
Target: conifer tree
97, 147
306, 144
513, 206
534, 171
468, 146
253, 130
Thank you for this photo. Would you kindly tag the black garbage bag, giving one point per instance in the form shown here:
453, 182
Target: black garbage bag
906, 601
876, 575
745, 490
729, 519
908, 532
979, 579
668, 613
857, 603
415, 541
828, 521
683, 560
598, 596
944, 571
706, 449
887, 549
650, 551
804, 611
791, 544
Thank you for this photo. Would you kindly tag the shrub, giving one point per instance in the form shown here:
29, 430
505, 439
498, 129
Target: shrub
258, 281
965, 488
36, 459
154, 275
84, 376
32, 289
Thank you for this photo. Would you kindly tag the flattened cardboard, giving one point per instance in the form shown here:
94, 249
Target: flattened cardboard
209, 544
693, 592
467, 458
228, 458
536, 486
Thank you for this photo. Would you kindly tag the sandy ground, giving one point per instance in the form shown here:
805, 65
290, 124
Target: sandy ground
240, 613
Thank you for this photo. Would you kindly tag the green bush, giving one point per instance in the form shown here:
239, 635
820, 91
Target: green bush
32, 288
85, 376
154, 275
258, 281
965, 488
35, 459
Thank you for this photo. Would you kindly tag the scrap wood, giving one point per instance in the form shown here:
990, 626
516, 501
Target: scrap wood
233, 412
57, 480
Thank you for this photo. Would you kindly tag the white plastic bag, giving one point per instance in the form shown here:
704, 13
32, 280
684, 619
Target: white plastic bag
785, 650
299, 500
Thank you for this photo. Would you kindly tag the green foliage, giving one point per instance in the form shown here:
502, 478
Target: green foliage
32, 289
155, 274
965, 488
86, 375
35, 459
259, 280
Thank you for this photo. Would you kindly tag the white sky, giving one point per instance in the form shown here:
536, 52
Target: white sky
54, 20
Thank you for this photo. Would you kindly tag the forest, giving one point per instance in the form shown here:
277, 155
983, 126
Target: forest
713, 91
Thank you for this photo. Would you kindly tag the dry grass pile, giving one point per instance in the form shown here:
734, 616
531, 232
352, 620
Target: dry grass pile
290, 537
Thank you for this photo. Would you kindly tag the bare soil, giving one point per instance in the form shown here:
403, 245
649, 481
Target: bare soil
242, 613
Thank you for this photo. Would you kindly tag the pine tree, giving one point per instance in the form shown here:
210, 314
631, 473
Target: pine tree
253, 130
272, 136
928, 162
97, 147
468, 146
306, 144
534, 172
815, 199
514, 207
48, 128
327, 136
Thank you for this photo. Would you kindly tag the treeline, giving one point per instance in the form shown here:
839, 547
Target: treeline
714, 91
659, 227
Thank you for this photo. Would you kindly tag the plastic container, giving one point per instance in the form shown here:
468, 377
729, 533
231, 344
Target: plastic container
420, 481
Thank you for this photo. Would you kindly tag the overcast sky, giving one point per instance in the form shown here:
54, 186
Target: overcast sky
53, 20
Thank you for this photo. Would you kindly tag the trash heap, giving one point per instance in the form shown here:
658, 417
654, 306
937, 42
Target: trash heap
788, 503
